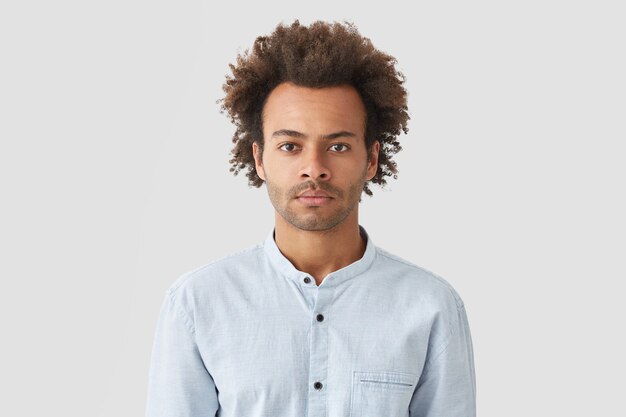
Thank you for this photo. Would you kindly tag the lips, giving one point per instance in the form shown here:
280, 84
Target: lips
314, 198
311, 193
314, 201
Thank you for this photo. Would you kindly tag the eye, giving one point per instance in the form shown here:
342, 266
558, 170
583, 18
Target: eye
346, 147
286, 144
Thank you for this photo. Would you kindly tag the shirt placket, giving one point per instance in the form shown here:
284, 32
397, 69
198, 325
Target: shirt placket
318, 365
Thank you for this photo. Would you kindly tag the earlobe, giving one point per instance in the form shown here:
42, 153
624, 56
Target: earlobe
257, 159
373, 159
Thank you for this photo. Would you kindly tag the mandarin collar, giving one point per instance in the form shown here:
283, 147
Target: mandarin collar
289, 271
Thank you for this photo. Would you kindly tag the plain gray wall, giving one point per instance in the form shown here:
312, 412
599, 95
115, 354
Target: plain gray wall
114, 170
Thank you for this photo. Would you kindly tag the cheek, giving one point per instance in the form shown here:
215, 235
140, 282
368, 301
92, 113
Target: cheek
278, 168
277, 176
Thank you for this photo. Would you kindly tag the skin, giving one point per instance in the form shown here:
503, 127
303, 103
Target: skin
323, 238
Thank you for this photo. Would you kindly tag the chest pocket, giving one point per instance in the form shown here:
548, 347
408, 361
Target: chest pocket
381, 393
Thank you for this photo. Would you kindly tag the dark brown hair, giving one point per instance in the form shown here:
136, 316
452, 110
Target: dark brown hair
320, 55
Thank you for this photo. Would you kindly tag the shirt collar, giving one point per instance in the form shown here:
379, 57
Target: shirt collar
287, 269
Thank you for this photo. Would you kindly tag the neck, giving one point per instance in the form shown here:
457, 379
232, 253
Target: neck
319, 253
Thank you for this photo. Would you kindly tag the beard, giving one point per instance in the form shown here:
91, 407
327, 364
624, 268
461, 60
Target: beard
311, 218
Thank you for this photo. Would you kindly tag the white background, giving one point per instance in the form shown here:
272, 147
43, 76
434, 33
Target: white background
115, 180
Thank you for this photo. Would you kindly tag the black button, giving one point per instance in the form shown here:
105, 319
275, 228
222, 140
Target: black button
318, 385
320, 317
307, 280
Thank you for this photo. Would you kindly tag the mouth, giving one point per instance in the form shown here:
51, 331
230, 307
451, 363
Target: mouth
314, 201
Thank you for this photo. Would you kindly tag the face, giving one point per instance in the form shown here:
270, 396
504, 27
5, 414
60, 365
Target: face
314, 141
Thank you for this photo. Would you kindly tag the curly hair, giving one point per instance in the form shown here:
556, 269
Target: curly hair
317, 56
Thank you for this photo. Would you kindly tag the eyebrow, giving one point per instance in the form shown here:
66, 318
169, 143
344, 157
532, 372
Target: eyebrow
296, 134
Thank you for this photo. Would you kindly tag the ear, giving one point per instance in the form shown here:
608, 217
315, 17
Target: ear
258, 160
372, 164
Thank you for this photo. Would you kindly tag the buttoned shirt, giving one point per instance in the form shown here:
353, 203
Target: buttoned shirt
250, 335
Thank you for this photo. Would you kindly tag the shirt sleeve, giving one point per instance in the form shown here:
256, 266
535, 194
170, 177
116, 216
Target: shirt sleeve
447, 385
179, 385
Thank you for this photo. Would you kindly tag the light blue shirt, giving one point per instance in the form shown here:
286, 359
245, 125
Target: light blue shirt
249, 335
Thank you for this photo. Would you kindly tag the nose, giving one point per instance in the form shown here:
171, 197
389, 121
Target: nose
314, 165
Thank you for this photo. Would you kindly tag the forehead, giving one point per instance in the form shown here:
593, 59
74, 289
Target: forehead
327, 107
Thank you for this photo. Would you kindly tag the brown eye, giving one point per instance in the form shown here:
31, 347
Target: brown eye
286, 144
341, 144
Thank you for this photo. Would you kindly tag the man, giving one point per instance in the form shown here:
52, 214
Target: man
316, 320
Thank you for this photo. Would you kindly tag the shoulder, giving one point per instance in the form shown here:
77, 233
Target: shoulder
195, 280
419, 279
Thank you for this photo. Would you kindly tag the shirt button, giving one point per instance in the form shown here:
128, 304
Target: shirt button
320, 317
318, 385
307, 280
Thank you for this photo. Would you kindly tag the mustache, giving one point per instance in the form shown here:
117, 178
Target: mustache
311, 185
